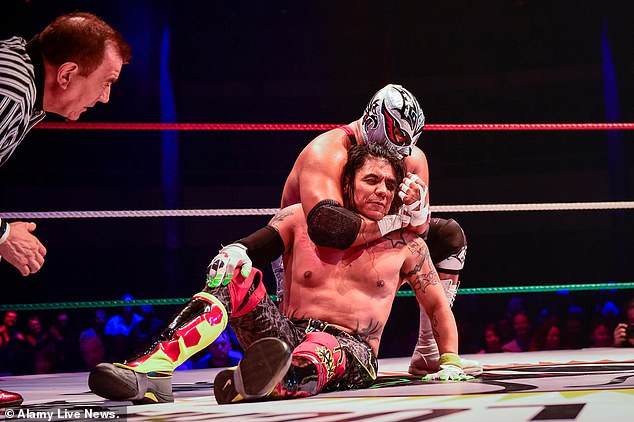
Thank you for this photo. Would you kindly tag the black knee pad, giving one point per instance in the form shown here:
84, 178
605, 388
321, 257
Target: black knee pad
447, 244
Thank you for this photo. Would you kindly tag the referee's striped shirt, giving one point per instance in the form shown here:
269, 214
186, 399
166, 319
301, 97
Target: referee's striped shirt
20, 109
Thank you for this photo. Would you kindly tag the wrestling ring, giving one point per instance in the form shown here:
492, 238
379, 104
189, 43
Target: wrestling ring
563, 385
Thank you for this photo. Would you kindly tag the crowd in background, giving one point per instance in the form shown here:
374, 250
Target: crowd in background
77, 340
530, 325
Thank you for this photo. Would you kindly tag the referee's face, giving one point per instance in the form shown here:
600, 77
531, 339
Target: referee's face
83, 92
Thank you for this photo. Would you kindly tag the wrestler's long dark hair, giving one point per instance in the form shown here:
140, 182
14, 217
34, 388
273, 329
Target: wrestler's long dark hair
357, 156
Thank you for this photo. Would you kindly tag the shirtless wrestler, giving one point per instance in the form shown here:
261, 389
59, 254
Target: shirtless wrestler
328, 336
392, 118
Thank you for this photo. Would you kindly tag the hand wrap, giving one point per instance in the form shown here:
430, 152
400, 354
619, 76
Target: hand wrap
392, 222
418, 216
5, 230
450, 370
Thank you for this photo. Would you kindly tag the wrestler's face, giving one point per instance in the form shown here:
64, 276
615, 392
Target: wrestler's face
84, 91
374, 188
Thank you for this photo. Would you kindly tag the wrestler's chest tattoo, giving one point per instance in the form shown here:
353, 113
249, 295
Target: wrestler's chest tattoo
370, 332
396, 240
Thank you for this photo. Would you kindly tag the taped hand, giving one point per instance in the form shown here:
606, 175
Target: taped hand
448, 373
220, 269
392, 222
414, 189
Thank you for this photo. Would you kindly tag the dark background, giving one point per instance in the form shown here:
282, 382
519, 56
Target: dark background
320, 62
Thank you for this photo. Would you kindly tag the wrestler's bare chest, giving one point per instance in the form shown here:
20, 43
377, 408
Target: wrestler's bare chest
374, 269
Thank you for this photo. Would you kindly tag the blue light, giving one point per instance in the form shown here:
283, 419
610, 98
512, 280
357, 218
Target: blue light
170, 160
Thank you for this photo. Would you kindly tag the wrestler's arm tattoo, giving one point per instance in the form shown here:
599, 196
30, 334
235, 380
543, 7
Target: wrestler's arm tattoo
281, 215
418, 279
369, 333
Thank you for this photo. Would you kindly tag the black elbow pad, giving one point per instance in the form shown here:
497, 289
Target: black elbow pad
331, 225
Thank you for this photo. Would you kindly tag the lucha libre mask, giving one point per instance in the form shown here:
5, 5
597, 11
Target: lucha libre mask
393, 118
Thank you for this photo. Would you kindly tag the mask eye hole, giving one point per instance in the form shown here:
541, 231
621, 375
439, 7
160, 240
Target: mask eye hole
401, 137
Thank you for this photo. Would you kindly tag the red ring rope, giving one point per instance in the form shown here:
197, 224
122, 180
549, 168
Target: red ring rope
323, 127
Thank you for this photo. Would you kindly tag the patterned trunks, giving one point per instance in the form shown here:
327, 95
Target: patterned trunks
266, 320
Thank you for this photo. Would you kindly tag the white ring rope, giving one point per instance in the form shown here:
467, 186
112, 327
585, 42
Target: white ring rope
555, 206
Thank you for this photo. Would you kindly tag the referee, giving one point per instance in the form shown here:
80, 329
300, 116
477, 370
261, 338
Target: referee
66, 69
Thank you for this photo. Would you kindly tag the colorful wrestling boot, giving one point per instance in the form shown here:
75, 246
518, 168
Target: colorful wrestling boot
263, 366
269, 370
147, 378
9, 399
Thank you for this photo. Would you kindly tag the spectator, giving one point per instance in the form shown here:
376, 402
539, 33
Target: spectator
492, 342
220, 354
36, 333
125, 323
610, 313
575, 335
505, 329
98, 322
92, 349
521, 334
65, 342
600, 334
8, 329
122, 331
624, 331
547, 336
15, 357
150, 325
97, 328
514, 306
